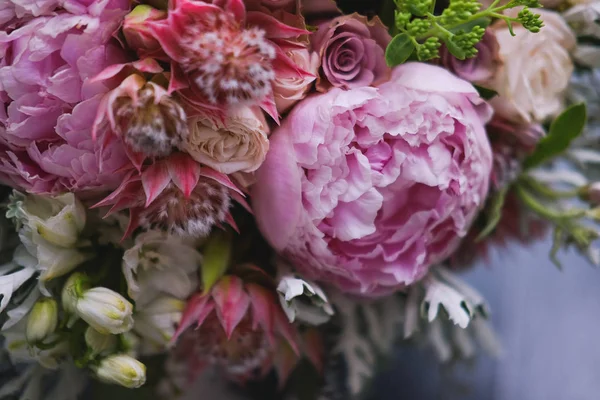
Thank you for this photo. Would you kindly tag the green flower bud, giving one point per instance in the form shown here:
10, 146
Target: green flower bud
73, 290
42, 320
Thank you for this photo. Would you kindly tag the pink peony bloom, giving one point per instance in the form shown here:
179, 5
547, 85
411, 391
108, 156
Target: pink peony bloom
49, 101
352, 51
366, 189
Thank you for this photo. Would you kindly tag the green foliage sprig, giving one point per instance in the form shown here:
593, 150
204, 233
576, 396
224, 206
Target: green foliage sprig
417, 31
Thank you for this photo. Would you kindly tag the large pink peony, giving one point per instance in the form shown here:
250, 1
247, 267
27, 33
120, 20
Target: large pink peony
49, 103
367, 188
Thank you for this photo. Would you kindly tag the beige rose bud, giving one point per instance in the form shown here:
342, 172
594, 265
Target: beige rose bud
289, 90
238, 144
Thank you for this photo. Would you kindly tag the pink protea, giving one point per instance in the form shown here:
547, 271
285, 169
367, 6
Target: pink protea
219, 54
177, 195
240, 327
366, 189
49, 101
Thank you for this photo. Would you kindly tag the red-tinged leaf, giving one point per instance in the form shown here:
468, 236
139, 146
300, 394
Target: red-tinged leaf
273, 27
134, 222
287, 45
283, 326
100, 114
285, 362
284, 67
149, 65
184, 172
154, 180
195, 311
314, 348
137, 159
232, 302
219, 177
262, 310
177, 80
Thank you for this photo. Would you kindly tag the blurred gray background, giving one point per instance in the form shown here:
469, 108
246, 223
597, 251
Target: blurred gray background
548, 322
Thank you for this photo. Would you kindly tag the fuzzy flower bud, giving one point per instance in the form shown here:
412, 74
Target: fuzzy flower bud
99, 343
136, 30
105, 310
122, 370
42, 320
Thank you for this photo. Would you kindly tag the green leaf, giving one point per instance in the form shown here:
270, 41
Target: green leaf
566, 127
399, 49
217, 255
494, 213
485, 93
483, 22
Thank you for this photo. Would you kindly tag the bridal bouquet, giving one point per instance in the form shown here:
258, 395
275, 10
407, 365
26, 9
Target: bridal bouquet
276, 191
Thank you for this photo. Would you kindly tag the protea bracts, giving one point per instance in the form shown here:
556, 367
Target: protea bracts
220, 55
177, 195
239, 327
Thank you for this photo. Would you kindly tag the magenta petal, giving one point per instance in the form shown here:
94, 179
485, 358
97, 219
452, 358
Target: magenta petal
232, 302
219, 177
184, 172
154, 180
262, 312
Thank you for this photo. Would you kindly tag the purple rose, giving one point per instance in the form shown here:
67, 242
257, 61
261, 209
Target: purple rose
352, 51
479, 69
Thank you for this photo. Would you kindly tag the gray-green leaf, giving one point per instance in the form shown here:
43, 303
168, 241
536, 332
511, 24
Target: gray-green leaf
399, 49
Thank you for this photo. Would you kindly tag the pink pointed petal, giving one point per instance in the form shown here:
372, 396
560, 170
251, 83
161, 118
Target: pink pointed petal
284, 67
262, 310
236, 7
219, 177
232, 302
109, 72
194, 309
229, 219
184, 172
286, 44
134, 223
100, 114
123, 188
268, 104
241, 200
273, 27
137, 159
178, 80
154, 180
148, 65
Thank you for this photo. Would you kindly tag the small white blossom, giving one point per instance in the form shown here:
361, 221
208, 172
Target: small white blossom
42, 320
105, 310
161, 263
157, 321
100, 343
304, 301
122, 370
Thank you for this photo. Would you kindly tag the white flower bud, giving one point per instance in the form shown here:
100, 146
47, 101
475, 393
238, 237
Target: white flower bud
105, 310
304, 301
122, 370
42, 320
158, 321
99, 343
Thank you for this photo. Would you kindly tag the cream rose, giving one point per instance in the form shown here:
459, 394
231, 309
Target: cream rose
289, 90
531, 85
240, 143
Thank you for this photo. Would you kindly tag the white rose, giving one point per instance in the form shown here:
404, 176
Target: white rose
531, 85
239, 144
289, 90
